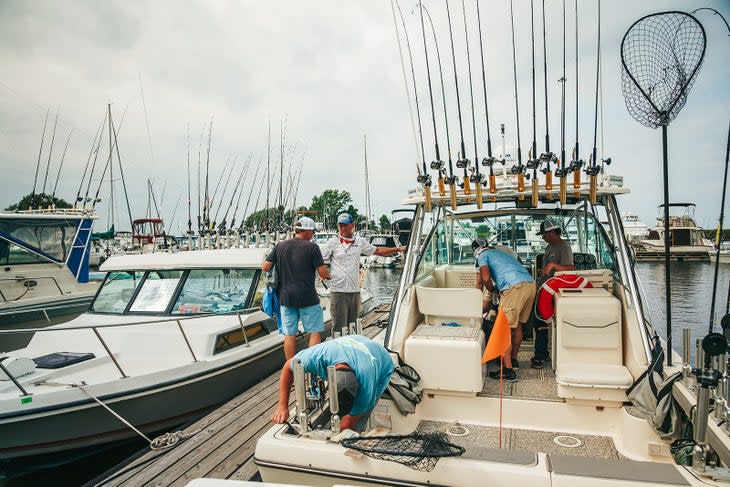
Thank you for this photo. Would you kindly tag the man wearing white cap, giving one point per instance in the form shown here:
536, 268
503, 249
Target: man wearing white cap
297, 259
343, 252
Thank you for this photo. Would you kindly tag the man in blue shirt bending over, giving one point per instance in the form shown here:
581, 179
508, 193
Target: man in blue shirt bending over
363, 372
516, 294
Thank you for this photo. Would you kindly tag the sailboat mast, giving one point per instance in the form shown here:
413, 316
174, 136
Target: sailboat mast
111, 168
367, 183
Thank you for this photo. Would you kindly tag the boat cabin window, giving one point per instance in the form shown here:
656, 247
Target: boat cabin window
14, 254
514, 231
214, 291
116, 291
235, 338
53, 237
156, 291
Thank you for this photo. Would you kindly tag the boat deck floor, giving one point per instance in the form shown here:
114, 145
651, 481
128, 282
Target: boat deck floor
535, 384
479, 440
220, 445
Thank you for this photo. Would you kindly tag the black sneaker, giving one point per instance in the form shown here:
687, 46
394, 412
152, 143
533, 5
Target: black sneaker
537, 363
508, 375
515, 364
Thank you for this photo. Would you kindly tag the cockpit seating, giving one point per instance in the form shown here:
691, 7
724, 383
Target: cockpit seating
451, 336
589, 347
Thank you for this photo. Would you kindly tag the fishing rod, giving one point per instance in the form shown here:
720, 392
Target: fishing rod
490, 160
38, 164
206, 203
190, 202
592, 169
438, 164
460, 163
281, 171
476, 176
577, 162
60, 166
546, 157
423, 177
88, 161
450, 179
533, 161
519, 168
562, 171
244, 169
93, 165
225, 188
50, 151
248, 201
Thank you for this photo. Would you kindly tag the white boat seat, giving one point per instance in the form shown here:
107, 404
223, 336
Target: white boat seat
446, 305
589, 349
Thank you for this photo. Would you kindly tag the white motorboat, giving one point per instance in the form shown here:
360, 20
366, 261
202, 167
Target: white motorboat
724, 254
381, 261
571, 423
686, 238
167, 337
634, 229
45, 269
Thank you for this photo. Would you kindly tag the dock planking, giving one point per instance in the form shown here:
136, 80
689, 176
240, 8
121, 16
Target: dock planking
220, 445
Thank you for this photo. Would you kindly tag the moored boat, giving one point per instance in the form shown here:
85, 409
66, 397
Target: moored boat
45, 277
686, 238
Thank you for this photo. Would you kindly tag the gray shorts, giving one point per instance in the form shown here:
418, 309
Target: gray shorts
345, 309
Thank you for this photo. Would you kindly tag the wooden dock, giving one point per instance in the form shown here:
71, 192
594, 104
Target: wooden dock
221, 445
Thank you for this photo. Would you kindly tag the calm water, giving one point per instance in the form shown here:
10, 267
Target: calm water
691, 297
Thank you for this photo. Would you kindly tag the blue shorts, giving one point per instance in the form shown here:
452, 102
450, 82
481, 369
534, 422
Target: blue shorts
312, 318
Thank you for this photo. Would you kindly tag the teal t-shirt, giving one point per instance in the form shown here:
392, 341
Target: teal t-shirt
369, 360
506, 271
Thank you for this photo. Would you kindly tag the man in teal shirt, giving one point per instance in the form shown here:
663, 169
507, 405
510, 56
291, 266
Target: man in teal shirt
516, 294
363, 372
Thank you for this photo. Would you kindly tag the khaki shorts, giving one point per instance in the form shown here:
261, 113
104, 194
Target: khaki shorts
517, 303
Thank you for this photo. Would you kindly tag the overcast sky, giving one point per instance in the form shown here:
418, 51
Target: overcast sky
330, 72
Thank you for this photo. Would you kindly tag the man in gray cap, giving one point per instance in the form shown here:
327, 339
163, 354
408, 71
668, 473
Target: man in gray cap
558, 256
297, 259
343, 252
363, 368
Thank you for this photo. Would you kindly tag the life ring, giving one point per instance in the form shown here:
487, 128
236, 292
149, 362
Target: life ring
545, 304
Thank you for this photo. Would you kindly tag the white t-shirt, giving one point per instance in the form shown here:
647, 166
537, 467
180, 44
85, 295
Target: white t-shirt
345, 263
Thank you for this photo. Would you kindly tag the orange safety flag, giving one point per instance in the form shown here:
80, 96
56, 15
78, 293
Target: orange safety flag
499, 340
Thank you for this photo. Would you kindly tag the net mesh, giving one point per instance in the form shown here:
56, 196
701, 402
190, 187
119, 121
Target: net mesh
660, 56
419, 451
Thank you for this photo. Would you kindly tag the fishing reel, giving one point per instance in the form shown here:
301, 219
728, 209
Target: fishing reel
463, 163
547, 158
576, 164
517, 169
533, 163
562, 171
437, 165
424, 179
490, 161
476, 178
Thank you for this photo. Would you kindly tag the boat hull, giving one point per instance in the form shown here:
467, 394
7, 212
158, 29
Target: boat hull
27, 439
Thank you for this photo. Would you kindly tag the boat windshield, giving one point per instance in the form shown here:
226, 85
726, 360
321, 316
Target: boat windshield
515, 231
175, 291
52, 237
214, 291
116, 291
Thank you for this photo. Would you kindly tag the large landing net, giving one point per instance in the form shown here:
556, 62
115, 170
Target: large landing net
419, 451
660, 55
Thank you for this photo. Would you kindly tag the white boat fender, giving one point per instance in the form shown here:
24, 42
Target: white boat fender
17, 367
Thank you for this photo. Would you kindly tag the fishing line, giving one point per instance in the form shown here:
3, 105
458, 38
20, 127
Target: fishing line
438, 163
460, 163
423, 178
450, 179
476, 176
577, 162
546, 157
519, 168
40, 151
562, 171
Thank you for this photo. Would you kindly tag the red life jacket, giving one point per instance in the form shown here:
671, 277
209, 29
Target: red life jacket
545, 304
